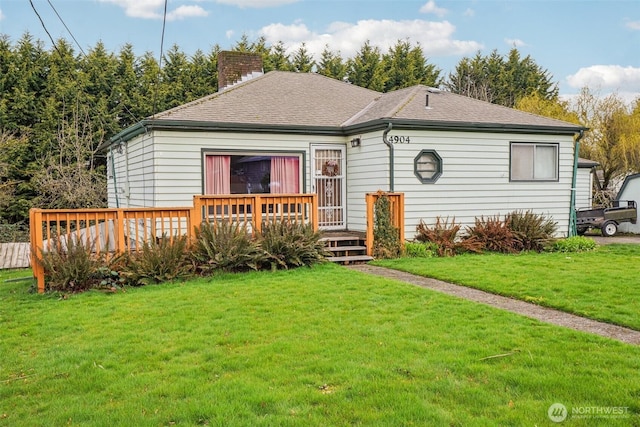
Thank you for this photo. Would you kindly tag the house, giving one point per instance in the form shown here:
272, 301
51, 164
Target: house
584, 182
284, 132
630, 190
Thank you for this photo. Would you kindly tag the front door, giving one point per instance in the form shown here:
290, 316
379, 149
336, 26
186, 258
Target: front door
328, 169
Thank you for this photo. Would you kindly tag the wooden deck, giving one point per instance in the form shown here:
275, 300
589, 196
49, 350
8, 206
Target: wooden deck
15, 255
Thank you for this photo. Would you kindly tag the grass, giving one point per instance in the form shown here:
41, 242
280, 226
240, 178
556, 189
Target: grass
308, 347
601, 284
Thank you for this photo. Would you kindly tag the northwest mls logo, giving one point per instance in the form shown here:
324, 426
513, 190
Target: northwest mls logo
557, 412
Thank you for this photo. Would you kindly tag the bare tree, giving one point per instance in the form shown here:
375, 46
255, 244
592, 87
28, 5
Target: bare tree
69, 177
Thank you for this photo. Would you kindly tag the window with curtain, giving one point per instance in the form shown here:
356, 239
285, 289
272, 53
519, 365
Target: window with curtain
217, 176
252, 173
534, 162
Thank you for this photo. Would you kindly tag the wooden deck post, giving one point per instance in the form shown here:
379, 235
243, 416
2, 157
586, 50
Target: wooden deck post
37, 243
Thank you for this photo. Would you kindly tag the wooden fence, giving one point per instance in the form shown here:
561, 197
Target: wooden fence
116, 231
396, 206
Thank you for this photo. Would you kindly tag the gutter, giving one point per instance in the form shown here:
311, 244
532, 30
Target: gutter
115, 182
573, 229
391, 158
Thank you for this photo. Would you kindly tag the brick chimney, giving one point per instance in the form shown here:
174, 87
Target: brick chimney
236, 67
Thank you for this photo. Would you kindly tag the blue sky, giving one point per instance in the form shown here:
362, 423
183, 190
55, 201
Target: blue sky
581, 43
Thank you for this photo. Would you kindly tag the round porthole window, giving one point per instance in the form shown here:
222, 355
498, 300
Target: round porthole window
427, 166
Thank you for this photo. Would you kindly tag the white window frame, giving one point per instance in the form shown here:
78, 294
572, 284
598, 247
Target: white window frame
534, 175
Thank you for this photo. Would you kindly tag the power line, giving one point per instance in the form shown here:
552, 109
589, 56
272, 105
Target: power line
155, 93
45, 28
65, 26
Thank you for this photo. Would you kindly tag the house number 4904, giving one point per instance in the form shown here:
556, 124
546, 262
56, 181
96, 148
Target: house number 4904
397, 139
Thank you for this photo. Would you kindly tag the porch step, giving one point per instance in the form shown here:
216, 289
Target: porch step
346, 248
350, 259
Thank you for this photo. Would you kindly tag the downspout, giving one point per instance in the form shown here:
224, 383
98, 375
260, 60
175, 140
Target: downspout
573, 229
391, 160
115, 181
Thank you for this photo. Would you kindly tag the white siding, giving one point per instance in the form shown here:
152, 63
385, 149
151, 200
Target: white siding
165, 169
584, 183
474, 181
169, 171
367, 172
134, 174
631, 191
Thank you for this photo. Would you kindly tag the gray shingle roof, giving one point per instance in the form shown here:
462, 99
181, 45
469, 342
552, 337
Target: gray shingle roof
445, 107
279, 98
301, 100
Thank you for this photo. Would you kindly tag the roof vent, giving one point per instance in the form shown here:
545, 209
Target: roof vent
426, 102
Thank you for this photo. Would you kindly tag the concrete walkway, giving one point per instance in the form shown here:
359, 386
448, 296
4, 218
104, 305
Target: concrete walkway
537, 312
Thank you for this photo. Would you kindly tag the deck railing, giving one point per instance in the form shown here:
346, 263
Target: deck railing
112, 232
396, 207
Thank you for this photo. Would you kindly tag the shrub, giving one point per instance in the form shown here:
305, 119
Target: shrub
531, 231
386, 237
493, 234
445, 236
159, 261
225, 246
573, 244
71, 266
10, 233
420, 249
286, 244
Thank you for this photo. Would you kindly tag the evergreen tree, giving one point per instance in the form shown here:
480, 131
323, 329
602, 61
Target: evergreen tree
367, 68
278, 59
123, 105
302, 62
332, 65
500, 80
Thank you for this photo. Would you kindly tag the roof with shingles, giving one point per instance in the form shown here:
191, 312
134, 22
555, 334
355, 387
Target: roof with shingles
445, 107
299, 99
281, 101
279, 98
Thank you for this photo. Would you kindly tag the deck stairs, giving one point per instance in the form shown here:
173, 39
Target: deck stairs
346, 247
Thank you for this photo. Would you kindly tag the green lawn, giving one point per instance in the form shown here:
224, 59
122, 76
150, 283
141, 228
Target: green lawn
311, 347
602, 284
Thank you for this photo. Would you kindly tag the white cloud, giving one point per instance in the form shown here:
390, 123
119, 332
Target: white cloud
608, 79
634, 25
154, 9
256, 4
183, 11
229, 33
435, 38
1, 15
515, 42
615, 77
430, 7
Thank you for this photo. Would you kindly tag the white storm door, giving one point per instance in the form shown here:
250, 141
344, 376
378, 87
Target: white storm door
328, 167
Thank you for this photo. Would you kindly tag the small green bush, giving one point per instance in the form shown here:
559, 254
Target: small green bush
532, 232
286, 245
71, 266
573, 244
164, 260
225, 246
420, 249
493, 234
444, 235
386, 237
